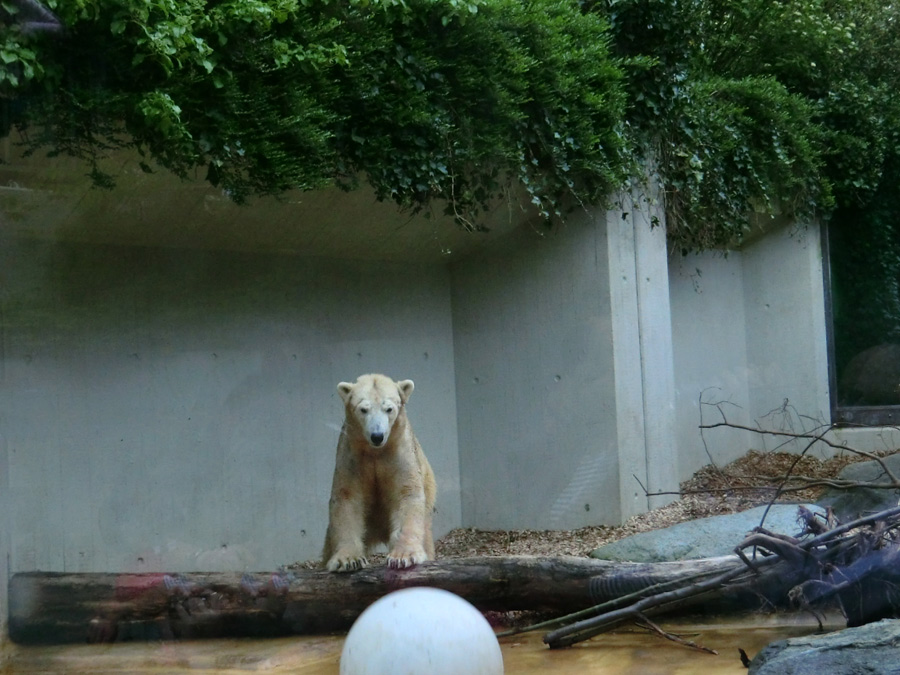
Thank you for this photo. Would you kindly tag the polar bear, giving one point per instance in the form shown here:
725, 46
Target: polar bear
383, 489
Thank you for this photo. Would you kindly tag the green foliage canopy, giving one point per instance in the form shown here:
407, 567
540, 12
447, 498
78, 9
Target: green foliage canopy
427, 99
775, 106
739, 105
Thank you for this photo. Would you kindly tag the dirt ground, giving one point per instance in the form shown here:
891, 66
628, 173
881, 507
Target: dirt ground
747, 482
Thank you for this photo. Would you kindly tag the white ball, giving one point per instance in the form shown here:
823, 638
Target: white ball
421, 631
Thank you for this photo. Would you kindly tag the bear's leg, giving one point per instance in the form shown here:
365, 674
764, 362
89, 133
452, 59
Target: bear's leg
429, 539
345, 550
407, 546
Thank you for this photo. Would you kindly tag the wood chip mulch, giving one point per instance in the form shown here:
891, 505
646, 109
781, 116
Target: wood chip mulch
743, 484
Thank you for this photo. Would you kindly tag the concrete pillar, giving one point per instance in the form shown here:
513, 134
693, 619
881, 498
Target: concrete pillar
628, 379
564, 373
642, 325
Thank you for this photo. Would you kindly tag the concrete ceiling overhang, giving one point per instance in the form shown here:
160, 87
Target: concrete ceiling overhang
54, 199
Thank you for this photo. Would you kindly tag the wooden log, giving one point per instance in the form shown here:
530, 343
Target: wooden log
49, 607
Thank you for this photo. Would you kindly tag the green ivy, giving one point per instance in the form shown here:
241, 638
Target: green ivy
740, 105
746, 104
429, 100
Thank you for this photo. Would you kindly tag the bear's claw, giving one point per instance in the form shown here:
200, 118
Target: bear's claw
399, 561
337, 564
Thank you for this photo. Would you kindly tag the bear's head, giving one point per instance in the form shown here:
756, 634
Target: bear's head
373, 404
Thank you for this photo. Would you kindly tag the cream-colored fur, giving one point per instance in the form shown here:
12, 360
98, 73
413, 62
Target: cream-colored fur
383, 489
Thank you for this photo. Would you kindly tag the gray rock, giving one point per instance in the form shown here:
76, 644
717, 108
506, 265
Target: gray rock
702, 538
852, 504
873, 648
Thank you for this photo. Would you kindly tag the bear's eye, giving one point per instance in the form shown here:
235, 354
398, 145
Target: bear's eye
389, 409
364, 409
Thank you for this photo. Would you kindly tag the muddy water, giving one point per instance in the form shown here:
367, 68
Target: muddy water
626, 652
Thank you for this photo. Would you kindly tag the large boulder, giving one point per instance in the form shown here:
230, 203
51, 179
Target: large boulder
702, 538
853, 503
873, 648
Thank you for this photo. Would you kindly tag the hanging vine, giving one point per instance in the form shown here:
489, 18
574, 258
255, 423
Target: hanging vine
742, 105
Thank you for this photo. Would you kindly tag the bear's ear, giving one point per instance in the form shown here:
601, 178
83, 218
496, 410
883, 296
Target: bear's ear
406, 389
344, 389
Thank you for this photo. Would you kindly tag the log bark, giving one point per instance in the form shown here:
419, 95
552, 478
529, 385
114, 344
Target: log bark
47, 607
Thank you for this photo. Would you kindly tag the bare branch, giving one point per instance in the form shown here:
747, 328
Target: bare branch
797, 565
808, 436
644, 621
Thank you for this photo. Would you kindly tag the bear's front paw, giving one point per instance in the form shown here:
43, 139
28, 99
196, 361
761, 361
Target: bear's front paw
346, 563
399, 559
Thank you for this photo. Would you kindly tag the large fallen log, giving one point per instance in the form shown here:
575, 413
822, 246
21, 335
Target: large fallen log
47, 607
855, 562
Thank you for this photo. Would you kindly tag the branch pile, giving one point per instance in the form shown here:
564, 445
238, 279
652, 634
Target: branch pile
856, 564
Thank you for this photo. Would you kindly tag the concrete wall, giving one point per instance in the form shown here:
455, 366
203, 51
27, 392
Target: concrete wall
537, 421
564, 373
177, 410
710, 356
4, 544
787, 348
749, 344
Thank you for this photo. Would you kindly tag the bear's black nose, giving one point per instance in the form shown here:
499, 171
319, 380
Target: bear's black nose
377, 439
